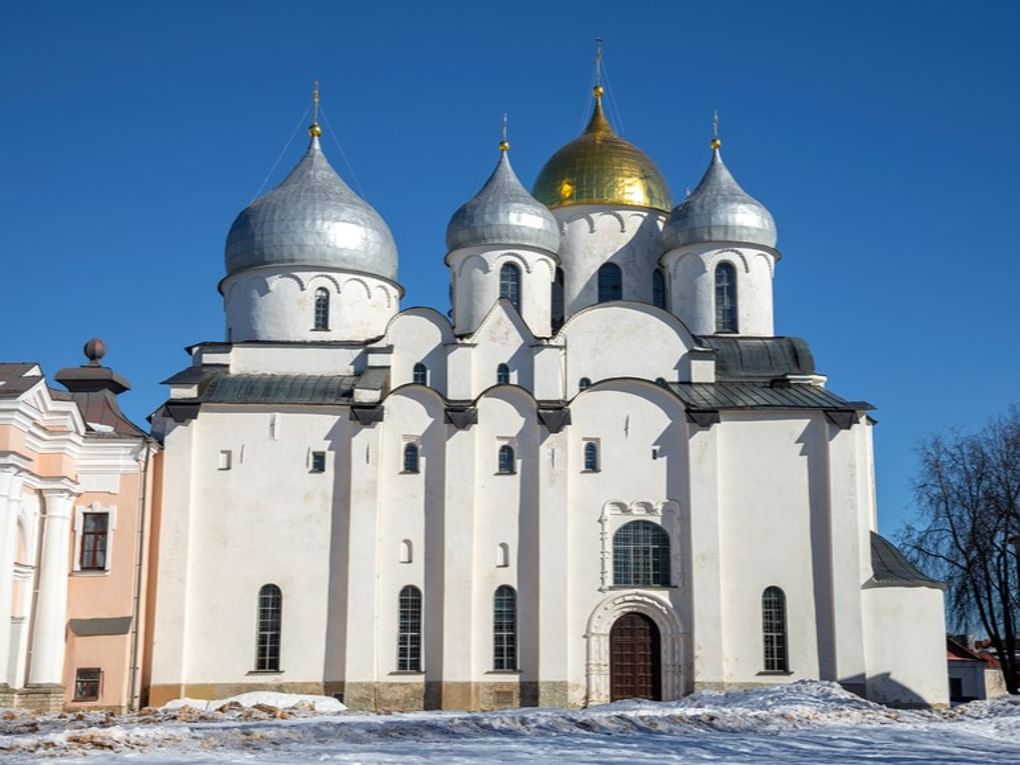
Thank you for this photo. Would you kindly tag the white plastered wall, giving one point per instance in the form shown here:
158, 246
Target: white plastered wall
691, 286
476, 278
277, 303
905, 633
630, 237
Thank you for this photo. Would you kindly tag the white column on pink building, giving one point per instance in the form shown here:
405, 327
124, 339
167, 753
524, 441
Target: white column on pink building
10, 502
51, 606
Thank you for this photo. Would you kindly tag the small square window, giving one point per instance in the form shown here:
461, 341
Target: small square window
318, 462
224, 463
86, 684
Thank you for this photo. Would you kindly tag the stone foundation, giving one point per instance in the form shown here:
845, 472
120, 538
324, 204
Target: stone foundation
161, 694
39, 698
398, 696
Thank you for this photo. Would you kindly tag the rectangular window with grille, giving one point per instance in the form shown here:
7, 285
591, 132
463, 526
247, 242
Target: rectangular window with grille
94, 537
504, 629
86, 684
409, 630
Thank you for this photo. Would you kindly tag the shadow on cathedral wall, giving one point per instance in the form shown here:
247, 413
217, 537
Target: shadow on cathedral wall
883, 689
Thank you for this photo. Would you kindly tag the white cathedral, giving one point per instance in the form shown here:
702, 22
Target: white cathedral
605, 477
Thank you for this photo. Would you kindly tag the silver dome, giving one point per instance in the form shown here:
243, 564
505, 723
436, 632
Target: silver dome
312, 219
503, 213
718, 210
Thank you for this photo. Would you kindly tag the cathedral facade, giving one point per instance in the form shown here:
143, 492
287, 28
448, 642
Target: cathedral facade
603, 477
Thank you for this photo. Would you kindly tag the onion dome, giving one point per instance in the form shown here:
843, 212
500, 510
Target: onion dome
503, 213
600, 168
718, 210
312, 219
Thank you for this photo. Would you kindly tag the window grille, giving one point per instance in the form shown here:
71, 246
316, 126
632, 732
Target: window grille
510, 284
641, 555
411, 458
773, 625
591, 457
86, 684
558, 302
504, 629
610, 282
409, 630
506, 459
502, 375
94, 538
269, 623
725, 298
321, 308
420, 376
658, 288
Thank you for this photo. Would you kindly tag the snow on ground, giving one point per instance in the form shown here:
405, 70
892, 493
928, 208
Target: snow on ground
321, 704
805, 723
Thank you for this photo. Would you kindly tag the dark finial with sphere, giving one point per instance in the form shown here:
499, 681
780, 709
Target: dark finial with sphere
95, 349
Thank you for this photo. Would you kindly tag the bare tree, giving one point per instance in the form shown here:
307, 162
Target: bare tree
968, 495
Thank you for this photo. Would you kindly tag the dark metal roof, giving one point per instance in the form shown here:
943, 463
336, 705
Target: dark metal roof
279, 389
90, 378
892, 569
112, 625
13, 381
756, 358
374, 378
747, 395
196, 374
101, 408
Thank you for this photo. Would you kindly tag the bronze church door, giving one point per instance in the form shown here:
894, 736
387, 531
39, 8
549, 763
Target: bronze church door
635, 664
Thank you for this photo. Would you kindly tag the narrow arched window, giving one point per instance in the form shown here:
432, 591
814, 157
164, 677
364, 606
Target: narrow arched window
506, 459
420, 374
510, 284
502, 555
411, 458
658, 288
591, 457
409, 630
502, 375
558, 304
270, 614
641, 555
610, 282
773, 627
321, 308
504, 629
725, 298
584, 383
406, 551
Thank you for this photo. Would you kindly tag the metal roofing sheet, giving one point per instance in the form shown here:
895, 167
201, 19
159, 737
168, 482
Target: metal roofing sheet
280, 389
746, 395
111, 625
15, 378
741, 358
195, 374
892, 569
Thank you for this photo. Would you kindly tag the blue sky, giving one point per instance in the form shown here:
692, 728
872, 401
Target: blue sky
882, 135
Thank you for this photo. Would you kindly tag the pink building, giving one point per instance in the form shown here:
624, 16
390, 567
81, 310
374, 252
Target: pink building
76, 488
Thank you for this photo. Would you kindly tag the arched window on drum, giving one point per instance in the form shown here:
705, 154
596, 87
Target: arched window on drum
321, 317
725, 298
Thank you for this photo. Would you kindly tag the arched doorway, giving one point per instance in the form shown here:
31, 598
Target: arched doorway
635, 659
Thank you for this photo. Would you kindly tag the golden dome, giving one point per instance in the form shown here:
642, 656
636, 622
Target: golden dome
601, 168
